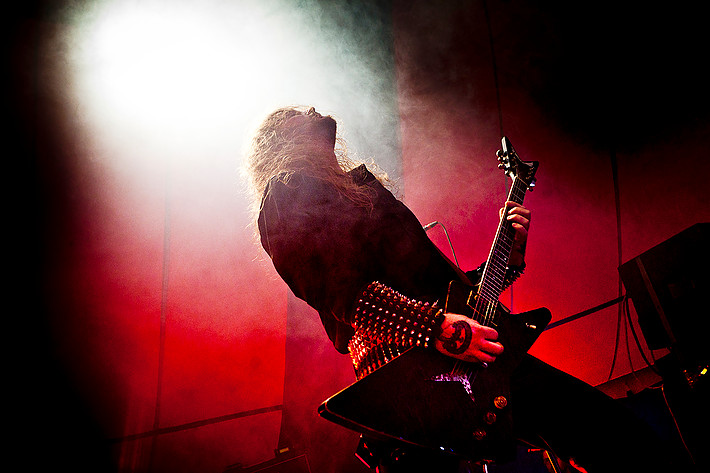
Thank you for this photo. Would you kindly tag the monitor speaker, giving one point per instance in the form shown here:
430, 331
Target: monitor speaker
668, 286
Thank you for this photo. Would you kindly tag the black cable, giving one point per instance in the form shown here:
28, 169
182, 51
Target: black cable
196, 424
494, 66
428, 226
626, 342
584, 313
616, 347
617, 206
636, 338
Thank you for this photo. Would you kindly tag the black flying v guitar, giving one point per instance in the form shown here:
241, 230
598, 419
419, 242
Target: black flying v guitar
430, 400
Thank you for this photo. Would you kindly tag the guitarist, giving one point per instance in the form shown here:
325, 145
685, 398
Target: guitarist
341, 240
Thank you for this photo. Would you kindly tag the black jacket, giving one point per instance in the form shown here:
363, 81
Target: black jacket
328, 249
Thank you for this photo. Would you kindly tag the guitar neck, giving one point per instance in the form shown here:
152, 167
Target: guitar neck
493, 279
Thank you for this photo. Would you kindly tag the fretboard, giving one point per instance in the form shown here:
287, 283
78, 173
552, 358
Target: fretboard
493, 279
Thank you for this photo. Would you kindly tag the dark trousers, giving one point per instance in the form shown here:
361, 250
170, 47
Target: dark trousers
560, 413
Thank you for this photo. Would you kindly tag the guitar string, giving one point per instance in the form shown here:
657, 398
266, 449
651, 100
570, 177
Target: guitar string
486, 314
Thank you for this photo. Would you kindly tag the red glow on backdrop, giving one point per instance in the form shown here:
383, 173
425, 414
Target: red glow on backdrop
224, 327
164, 311
572, 252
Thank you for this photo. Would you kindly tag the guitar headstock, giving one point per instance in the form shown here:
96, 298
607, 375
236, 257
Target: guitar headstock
513, 166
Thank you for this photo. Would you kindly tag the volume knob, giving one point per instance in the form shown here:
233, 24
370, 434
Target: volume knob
500, 402
490, 418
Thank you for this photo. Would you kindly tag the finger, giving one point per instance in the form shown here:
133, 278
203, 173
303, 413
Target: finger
508, 206
488, 333
521, 233
520, 220
482, 357
516, 207
493, 348
488, 352
519, 211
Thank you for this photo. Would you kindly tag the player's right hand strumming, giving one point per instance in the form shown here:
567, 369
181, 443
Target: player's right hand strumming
465, 339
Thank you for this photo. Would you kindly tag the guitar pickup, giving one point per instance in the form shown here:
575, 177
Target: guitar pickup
471, 300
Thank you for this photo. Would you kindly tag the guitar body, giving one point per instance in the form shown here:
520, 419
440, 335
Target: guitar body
433, 401
421, 397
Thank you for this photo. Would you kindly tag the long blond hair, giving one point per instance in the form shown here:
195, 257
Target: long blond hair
278, 151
